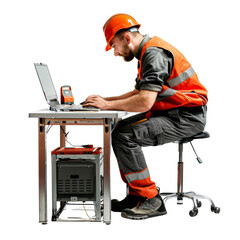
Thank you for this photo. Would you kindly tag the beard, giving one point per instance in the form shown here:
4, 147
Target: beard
127, 54
129, 57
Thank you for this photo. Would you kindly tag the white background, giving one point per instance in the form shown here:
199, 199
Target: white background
67, 35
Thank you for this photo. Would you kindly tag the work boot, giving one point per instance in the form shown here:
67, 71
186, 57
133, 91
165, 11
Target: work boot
129, 201
149, 208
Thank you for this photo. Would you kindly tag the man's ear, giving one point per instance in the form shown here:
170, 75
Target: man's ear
127, 38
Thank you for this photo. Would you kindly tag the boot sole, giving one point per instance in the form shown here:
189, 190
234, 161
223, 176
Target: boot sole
130, 215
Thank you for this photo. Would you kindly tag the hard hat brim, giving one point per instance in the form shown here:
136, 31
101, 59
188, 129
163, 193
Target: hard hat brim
108, 47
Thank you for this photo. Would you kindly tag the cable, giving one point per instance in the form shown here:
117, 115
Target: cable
86, 146
48, 128
64, 131
86, 211
75, 145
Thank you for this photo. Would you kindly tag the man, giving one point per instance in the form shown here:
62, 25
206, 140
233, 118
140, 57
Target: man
172, 105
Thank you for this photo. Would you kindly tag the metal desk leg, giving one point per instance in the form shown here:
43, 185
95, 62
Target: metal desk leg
62, 136
42, 171
62, 144
107, 190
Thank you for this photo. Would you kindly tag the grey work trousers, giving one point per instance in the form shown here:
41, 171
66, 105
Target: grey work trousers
133, 133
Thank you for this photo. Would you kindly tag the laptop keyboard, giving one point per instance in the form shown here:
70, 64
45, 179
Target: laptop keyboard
76, 107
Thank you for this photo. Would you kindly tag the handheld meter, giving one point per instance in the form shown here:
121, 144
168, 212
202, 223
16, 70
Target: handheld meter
66, 95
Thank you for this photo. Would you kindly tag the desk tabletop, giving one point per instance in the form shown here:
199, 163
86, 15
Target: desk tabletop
45, 113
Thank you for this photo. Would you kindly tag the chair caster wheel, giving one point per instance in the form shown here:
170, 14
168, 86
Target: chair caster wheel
193, 212
199, 204
215, 209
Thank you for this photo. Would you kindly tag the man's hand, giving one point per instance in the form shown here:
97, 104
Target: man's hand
96, 101
138, 101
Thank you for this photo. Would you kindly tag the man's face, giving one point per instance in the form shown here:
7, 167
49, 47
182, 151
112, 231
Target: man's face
121, 48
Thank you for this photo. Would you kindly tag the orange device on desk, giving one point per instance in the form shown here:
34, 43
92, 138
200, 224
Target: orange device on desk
66, 95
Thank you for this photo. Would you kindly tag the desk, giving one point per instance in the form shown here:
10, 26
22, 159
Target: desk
62, 119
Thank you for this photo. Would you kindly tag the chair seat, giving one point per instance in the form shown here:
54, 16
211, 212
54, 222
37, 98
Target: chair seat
197, 136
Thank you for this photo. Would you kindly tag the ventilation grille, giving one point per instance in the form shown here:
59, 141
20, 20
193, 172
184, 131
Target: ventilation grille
75, 186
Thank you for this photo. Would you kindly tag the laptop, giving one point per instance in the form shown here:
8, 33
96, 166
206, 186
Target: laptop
51, 94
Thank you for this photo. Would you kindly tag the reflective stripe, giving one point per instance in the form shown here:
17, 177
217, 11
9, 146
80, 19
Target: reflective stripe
181, 78
168, 93
174, 82
137, 176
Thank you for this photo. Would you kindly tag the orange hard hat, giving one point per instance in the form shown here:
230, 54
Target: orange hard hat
118, 22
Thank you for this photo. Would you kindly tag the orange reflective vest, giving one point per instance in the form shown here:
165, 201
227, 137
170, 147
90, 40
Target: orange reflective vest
182, 88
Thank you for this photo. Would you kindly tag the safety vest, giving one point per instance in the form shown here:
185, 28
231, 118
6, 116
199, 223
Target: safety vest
182, 88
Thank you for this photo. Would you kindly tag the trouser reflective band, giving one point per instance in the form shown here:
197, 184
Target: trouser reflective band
140, 184
137, 176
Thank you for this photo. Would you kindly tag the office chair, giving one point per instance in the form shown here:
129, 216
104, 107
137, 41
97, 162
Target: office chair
191, 195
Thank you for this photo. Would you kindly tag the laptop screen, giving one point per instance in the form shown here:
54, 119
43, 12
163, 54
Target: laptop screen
46, 82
